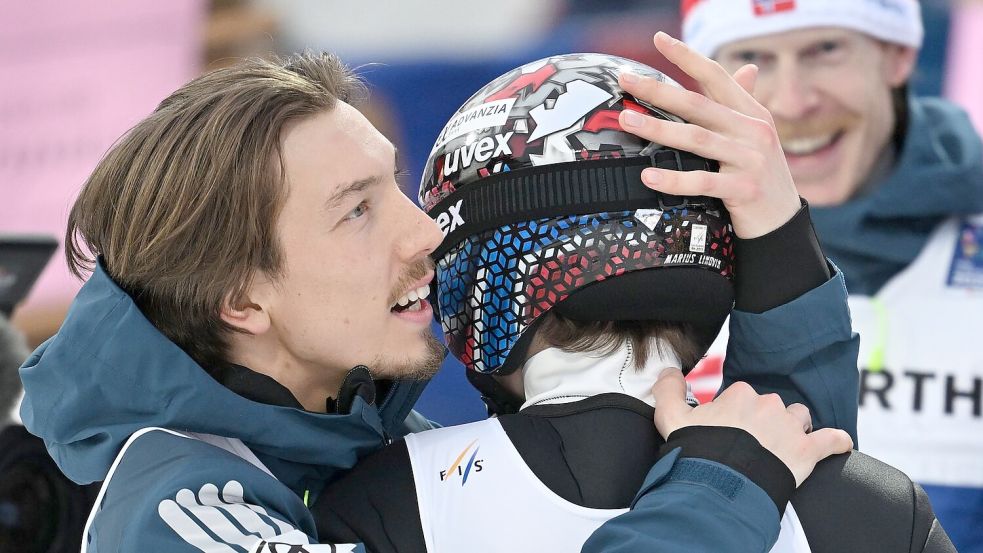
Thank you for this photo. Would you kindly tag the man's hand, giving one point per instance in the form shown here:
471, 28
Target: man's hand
726, 124
784, 431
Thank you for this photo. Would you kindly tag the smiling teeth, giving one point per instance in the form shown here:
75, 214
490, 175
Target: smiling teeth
806, 146
411, 298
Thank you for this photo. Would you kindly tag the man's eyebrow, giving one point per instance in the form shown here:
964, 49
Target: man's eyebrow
346, 190
349, 189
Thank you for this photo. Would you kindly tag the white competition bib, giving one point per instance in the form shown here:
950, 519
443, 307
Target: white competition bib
472, 486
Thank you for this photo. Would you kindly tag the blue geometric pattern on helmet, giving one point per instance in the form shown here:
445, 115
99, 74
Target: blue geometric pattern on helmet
481, 283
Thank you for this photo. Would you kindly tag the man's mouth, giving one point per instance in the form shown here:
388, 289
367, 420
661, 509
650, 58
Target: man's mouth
414, 300
810, 145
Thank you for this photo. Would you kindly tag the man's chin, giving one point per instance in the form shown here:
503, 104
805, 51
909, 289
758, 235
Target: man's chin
419, 367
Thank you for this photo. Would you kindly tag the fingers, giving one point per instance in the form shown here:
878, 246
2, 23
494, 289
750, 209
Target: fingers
727, 187
801, 414
714, 79
829, 441
687, 137
669, 393
691, 106
747, 77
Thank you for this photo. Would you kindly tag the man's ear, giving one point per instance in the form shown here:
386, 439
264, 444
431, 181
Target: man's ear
247, 312
900, 64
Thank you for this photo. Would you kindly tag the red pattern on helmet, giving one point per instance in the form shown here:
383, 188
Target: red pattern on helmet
534, 79
608, 118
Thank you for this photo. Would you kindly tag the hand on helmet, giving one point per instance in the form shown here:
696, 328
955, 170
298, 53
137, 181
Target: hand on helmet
727, 124
784, 431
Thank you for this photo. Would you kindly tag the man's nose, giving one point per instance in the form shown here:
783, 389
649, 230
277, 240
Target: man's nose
420, 234
789, 93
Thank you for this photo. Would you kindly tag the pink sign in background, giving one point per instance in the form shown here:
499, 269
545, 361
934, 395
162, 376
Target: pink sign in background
964, 68
76, 75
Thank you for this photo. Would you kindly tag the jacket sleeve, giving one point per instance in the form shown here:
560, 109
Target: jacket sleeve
805, 351
167, 492
790, 331
698, 499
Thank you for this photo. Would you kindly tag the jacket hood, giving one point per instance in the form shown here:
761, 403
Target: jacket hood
109, 372
938, 174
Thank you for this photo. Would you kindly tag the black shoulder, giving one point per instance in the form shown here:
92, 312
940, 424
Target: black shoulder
927, 530
374, 504
853, 502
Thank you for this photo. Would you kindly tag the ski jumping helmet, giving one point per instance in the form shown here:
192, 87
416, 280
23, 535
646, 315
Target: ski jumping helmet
538, 192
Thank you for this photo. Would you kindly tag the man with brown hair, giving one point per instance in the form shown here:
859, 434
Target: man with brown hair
256, 320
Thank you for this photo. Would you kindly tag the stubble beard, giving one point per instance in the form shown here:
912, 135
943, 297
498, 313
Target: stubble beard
422, 368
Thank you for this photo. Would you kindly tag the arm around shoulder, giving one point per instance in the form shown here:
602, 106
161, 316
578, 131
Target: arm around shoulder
696, 500
791, 332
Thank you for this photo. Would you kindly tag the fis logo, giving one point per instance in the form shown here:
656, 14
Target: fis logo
768, 7
480, 151
464, 469
449, 220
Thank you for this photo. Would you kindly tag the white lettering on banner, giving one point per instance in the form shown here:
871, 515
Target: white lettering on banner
482, 150
449, 220
485, 116
580, 98
957, 392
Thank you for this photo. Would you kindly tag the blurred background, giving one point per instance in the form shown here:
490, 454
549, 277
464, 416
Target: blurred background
76, 75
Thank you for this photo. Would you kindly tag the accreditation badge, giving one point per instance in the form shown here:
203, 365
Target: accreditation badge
966, 270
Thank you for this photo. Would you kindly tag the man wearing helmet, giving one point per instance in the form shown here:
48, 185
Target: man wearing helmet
566, 287
256, 320
896, 188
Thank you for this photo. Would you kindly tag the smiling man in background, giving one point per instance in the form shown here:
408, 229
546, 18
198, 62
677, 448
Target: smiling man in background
896, 186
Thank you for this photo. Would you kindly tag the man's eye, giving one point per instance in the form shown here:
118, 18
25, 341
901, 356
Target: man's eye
360, 209
825, 50
748, 56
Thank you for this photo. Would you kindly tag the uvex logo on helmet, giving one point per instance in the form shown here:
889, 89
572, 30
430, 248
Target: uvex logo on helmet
479, 150
449, 220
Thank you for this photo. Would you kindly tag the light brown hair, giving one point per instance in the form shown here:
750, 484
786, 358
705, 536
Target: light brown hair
604, 337
182, 210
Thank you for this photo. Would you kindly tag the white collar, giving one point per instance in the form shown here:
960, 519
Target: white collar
557, 376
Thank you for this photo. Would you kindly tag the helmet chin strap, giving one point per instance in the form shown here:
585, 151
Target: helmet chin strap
498, 399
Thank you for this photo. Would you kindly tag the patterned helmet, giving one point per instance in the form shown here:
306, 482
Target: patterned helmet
537, 190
